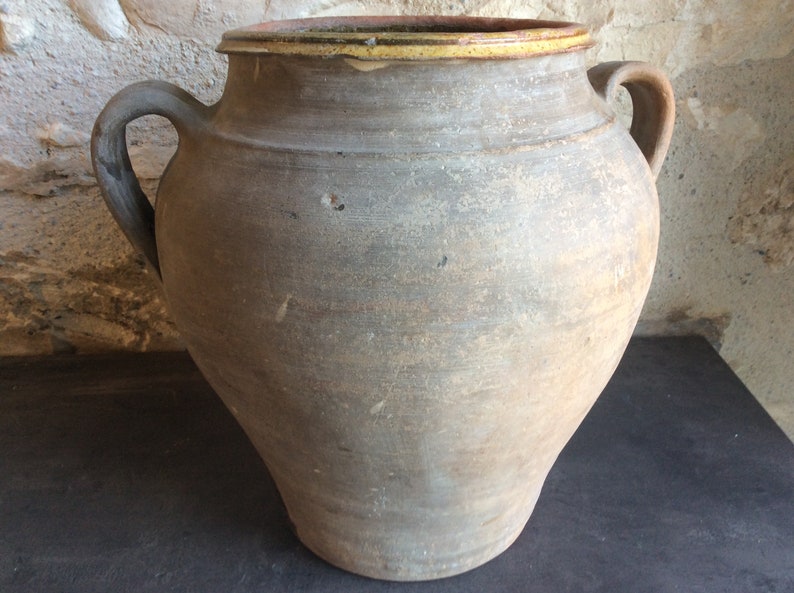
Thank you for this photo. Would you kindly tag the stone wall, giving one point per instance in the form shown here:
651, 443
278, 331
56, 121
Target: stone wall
70, 282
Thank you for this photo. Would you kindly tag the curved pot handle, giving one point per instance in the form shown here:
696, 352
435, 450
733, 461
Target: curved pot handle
652, 101
117, 181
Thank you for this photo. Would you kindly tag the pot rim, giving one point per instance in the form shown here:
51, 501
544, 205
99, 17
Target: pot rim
407, 37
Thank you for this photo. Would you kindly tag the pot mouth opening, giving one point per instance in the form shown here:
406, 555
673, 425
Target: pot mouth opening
407, 38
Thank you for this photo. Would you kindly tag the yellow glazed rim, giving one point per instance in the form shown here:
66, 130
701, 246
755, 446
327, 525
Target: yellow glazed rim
407, 38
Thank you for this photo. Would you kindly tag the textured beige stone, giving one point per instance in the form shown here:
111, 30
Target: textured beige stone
739, 133
79, 311
206, 19
104, 18
16, 31
47, 176
724, 33
63, 135
765, 216
68, 284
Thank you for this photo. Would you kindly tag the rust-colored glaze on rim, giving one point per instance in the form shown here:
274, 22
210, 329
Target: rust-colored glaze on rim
407, 38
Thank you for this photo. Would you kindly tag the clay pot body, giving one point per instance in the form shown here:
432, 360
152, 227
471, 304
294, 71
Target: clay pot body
408, 279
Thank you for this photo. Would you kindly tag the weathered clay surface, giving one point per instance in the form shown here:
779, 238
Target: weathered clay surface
408, 289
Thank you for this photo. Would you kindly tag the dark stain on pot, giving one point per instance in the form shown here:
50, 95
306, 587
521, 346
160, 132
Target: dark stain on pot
332, 200
291, 214
443, 262
111, 168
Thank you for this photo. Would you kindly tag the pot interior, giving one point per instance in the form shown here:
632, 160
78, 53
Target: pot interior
404, 24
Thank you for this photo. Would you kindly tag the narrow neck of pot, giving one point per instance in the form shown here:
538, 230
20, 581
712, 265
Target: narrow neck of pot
347, 104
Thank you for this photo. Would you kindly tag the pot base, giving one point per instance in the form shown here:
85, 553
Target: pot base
399, 555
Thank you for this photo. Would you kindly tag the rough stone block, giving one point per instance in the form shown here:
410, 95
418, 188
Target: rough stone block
764, 217
204, 19
16, 32
61, 135
103, 18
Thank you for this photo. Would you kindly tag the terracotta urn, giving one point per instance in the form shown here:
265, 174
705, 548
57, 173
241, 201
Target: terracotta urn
408, 254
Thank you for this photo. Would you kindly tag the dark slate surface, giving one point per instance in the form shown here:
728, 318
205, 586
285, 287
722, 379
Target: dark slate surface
125, 473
